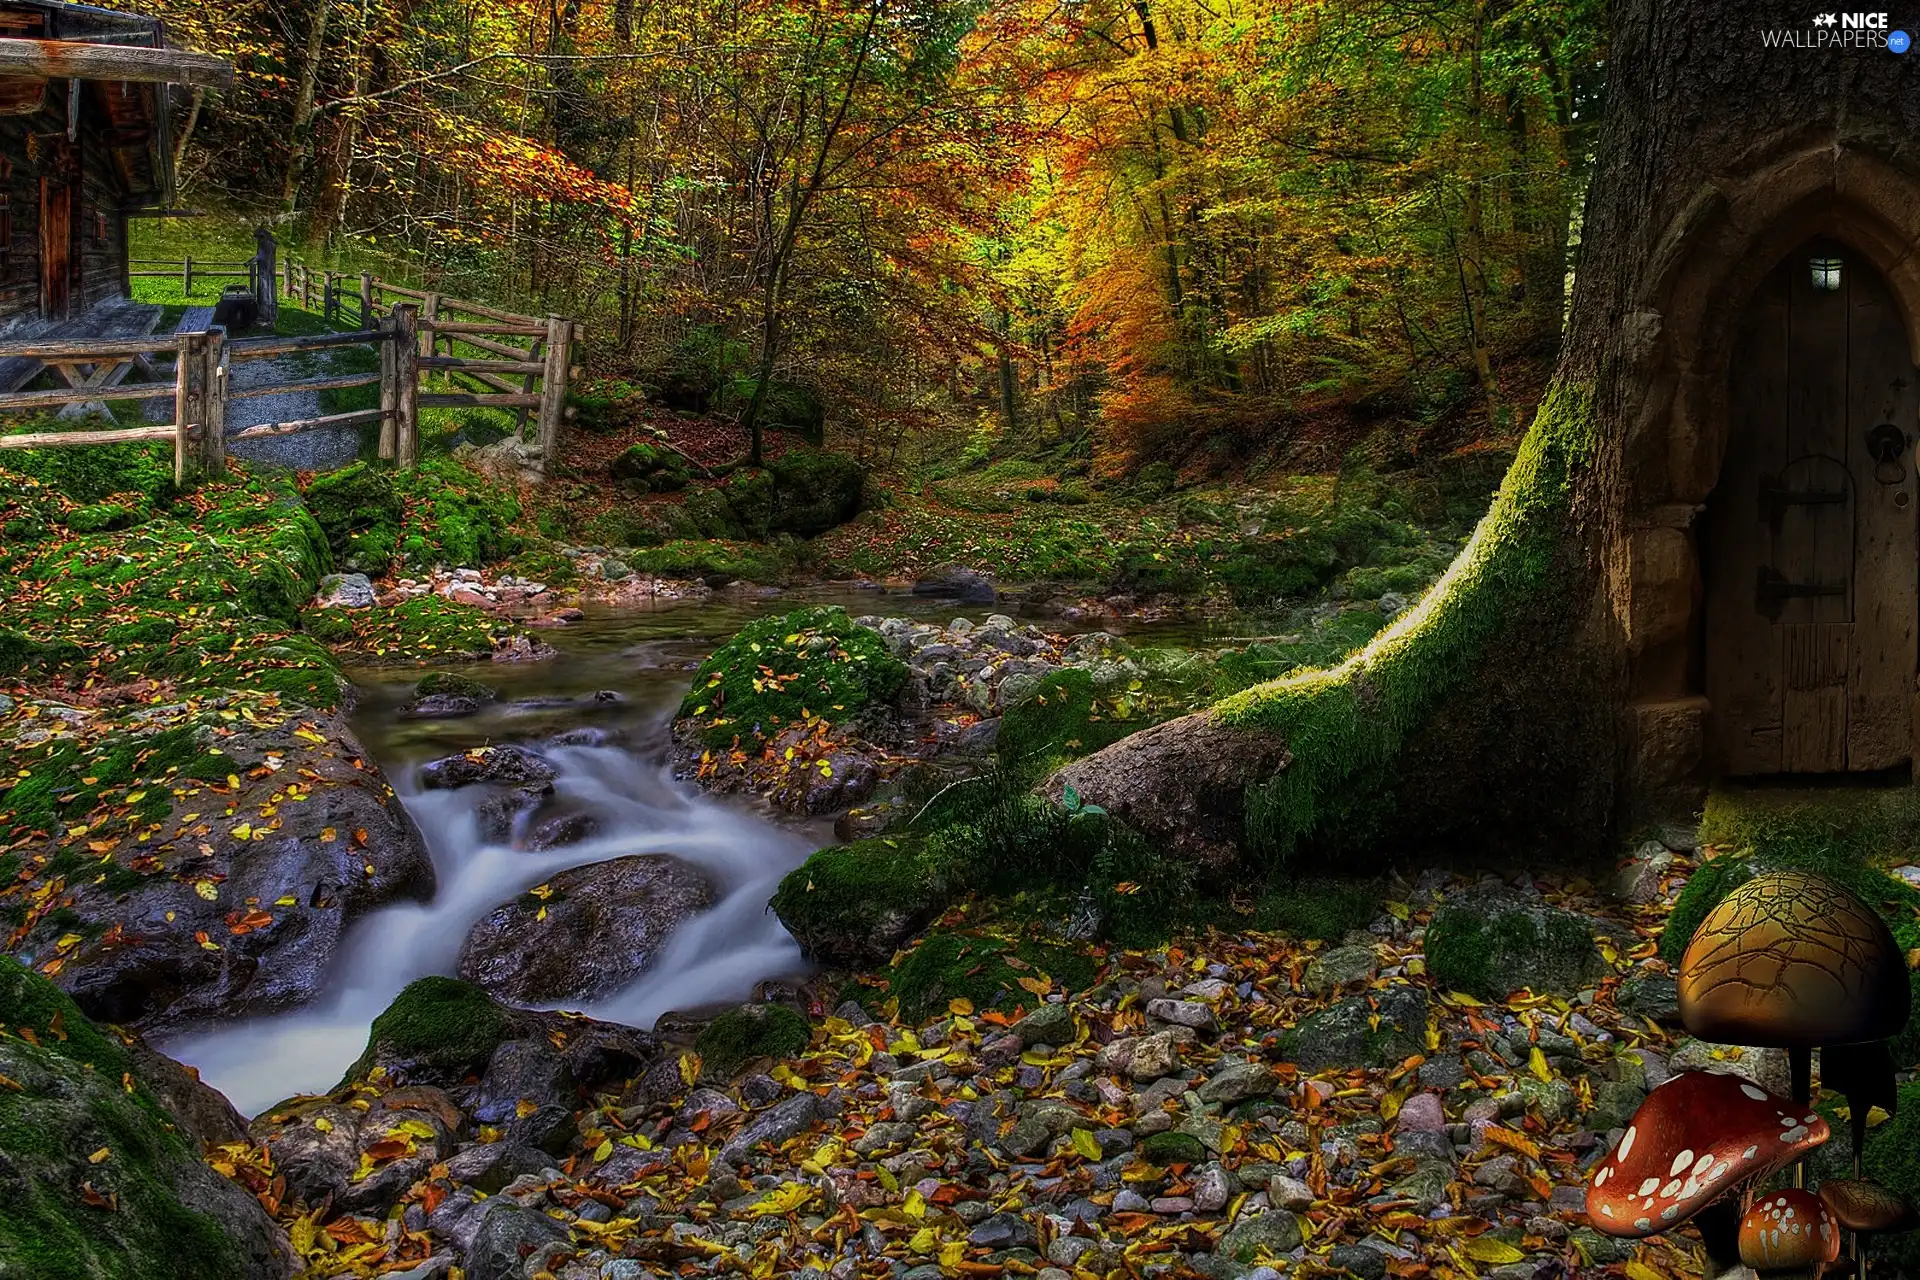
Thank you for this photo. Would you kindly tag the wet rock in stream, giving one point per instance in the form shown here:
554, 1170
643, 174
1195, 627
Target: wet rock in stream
506, 765
586, 932
236, 901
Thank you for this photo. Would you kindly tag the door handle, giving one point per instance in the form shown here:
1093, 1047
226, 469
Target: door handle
1885, 444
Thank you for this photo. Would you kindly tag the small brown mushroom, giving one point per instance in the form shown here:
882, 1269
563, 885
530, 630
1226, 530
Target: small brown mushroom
1865, 1206
1696, 1138
1789, 1230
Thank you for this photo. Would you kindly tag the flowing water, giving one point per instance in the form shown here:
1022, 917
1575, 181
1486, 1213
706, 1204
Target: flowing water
618, 771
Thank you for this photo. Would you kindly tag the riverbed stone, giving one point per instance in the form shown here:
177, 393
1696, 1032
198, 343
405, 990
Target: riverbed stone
1360, 1031
586, 932
508, 1232
505, 764
273, 896
1491, 941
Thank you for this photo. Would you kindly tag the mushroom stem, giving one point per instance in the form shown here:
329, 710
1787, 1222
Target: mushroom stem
1719, 1227
1800, 1062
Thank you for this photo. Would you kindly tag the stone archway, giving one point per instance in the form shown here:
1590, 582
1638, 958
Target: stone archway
1698, 282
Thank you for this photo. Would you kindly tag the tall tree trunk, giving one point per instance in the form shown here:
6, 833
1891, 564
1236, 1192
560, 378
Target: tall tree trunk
1541, 695
300, 138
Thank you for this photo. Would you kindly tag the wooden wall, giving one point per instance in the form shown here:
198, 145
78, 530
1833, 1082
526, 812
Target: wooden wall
31, 147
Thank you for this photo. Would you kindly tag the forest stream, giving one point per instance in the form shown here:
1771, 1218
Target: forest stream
614, 765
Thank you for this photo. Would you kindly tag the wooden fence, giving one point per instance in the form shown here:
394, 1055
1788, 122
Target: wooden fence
187, 269
510, 361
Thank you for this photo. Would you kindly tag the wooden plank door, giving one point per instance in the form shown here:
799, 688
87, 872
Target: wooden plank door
1811, 547
56, 248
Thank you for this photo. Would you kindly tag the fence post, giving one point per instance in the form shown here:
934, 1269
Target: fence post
330, 297
186, 278
429, 317
267, 276
213, 433
189, 398
366, 300
389, 399
553, 388
406, 386
286, 284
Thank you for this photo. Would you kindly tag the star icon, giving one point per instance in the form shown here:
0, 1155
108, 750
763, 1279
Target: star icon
1825, 20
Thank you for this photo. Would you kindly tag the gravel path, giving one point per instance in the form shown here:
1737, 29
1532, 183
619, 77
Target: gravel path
322, 450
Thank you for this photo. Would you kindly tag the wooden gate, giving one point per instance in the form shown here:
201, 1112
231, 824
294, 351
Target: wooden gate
1811, 560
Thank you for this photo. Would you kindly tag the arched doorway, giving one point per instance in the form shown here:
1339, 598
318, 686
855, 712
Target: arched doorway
1811, 544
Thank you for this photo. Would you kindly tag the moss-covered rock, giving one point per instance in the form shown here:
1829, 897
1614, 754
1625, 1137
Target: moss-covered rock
777, 671
1360, 1031
650, 468
1841, 835
1317, 908
814, 491
1172, 1148
99, 1182
751, 1031
360, 512
1491, 943
437, 1030
1065, 718
855, 904
985, 969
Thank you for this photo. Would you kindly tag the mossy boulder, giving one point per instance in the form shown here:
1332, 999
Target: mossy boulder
650, 468
1490, 943
99, 1180
1360, 1031
985, 969
1172, 1148
779, 671
359, 510
751, 1031
437, 1031
1840, 835
855, 904
1316, 908
814, 491
101, 516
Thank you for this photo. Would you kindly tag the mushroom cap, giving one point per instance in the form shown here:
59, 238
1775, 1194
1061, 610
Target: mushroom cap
1789, 1229
1793, 960
1860, 1205
1694, 1139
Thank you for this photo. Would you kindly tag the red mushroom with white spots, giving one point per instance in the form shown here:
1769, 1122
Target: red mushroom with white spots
1696, 1138
1789, 1230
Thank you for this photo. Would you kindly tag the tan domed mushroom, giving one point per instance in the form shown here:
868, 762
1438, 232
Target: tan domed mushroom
1694, 1139
1789, 1230
1860, 1205
1793, 960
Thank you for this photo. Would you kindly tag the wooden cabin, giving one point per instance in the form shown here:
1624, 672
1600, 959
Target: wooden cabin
85, 142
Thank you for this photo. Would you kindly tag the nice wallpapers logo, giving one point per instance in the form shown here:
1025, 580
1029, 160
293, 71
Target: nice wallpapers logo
1840, 31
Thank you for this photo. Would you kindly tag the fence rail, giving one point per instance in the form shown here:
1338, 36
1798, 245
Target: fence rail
417, 333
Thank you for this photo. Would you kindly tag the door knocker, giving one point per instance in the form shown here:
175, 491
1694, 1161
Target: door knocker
1885, 444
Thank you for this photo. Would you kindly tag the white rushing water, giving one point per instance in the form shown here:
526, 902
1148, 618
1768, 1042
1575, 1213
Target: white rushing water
716, 956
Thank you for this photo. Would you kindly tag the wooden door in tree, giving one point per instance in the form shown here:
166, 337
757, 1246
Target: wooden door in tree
1811, 559
56, 248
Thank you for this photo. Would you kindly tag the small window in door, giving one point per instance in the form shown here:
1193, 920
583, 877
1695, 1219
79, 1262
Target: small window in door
100, 229
1826, 273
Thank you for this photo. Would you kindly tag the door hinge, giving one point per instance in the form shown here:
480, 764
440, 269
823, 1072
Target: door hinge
1771, 591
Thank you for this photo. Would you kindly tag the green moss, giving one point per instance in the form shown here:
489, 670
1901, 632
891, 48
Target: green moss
1172, 1148
420, 629
1842, 835
1477, 951
814, 661
1322, 909
359, 510
103, 515
984, 968
20, 654
1347, 727
444, 1023
650, 468
713, 561
446, 683
29, 1000
96, 473
740, 1035
853, 903
1066, 718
